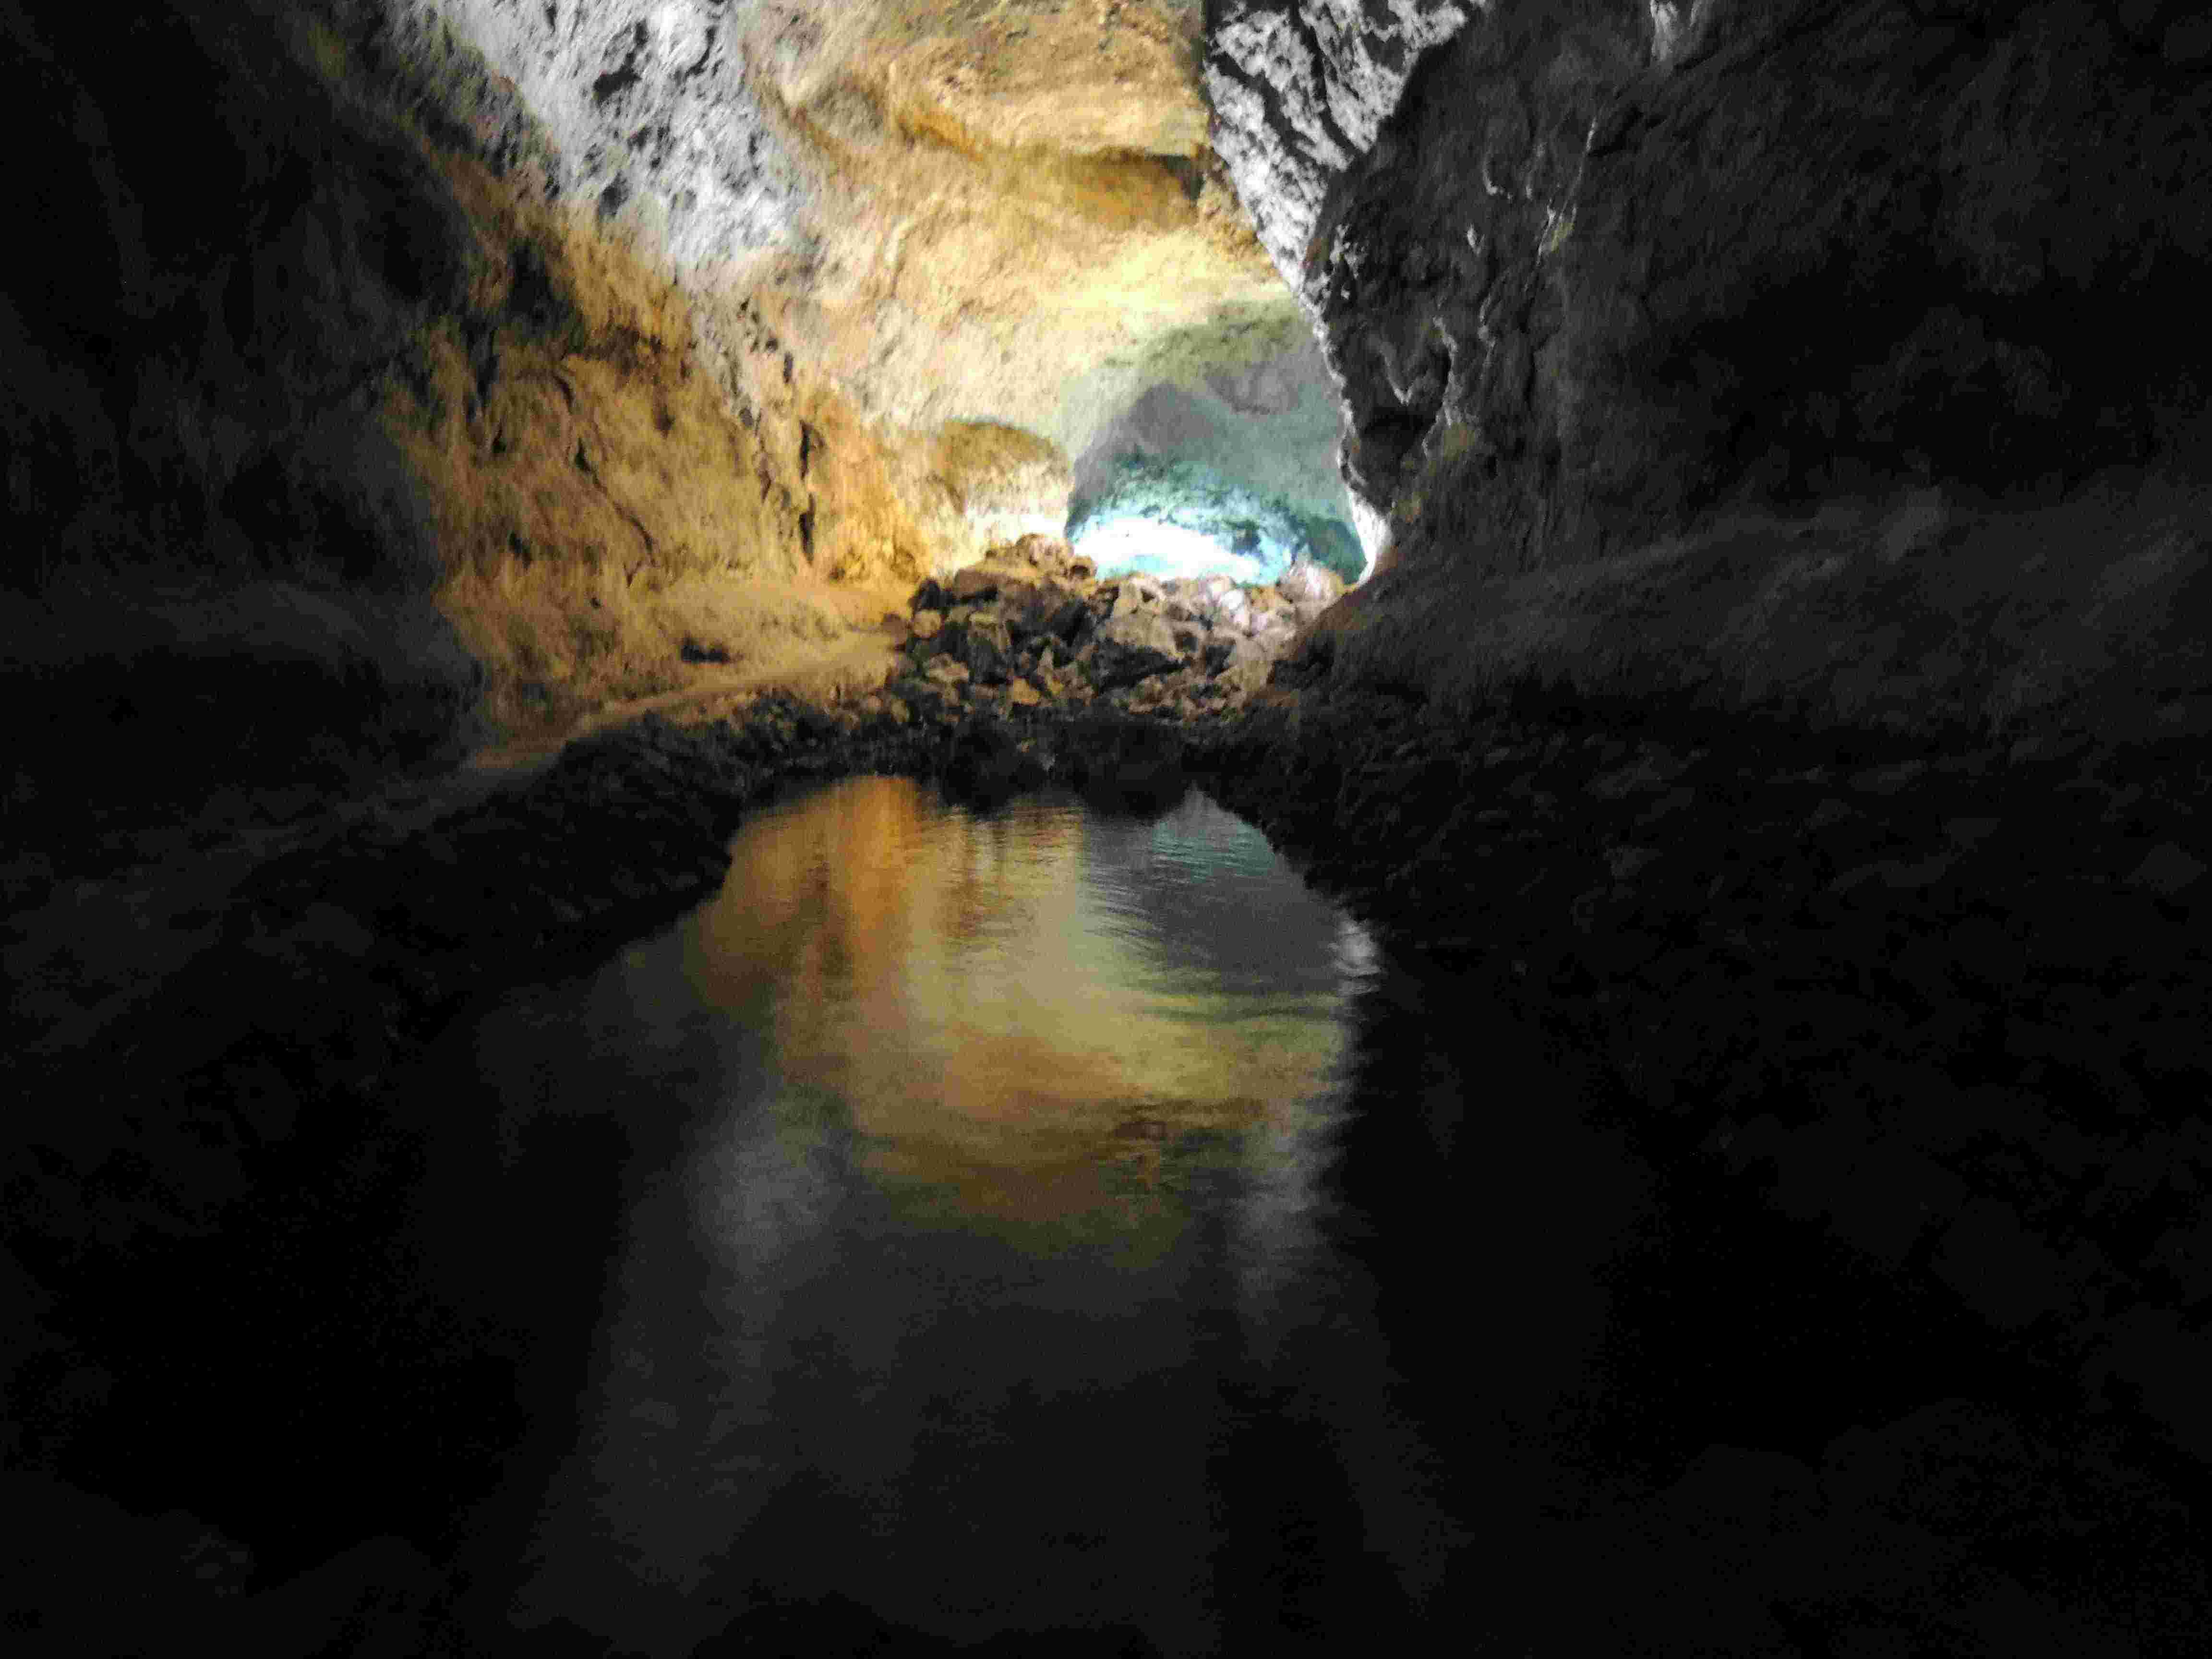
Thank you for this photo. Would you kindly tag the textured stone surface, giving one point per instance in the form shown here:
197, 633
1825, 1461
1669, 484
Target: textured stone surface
1570, 259
828, 162
1300, 88
1641, 292
632, 330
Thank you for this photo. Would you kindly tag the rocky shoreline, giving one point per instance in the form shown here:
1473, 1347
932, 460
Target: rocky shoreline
266, 1092
1936, 1006
1925, 1015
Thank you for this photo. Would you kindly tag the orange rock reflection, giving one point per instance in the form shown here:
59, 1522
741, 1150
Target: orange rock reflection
1035, 1051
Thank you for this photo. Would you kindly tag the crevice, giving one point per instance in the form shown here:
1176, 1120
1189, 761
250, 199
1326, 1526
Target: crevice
617, 81
1311, 38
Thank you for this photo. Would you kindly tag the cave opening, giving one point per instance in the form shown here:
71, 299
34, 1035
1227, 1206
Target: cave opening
1230, 471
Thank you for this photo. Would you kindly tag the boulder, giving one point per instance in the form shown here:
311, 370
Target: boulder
978, 584
1133, 645
925, 623
979, 638
1136, 594
1127, 765
1045, 609
1310, 587
1231, 608
947, 671
988, 763
1046, 552
1225, 651
1243, 677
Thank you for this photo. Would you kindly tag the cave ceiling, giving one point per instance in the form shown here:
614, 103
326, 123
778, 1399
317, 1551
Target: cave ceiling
984, 210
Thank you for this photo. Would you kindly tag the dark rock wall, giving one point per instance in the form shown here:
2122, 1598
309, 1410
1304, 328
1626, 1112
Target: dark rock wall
205, 280
331, 435
1608, 264
216, 562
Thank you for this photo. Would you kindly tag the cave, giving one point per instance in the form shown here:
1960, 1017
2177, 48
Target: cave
1107, 826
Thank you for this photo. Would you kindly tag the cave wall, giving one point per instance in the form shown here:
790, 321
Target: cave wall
1724, 344
319, 387
467, 366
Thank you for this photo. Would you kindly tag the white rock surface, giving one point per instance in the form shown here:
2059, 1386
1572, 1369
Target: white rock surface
1300, 88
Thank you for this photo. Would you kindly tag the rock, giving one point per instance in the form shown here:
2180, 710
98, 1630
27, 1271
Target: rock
1046, 552
2005, 1273
1135, 595
372, 1599
1232, 609
1225, 651
1127, 764
988, 762
1307, 585
925, 623
1897, 875
947, 670
85, 1576
1888, 780
2168, 870
1244, 677
977, 584
1048, 609
1828, 814
1626, 863
980, 639
1573, 213
1134, 645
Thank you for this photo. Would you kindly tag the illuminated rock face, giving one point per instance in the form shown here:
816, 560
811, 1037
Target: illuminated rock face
619, 328
598, 319
1637, 290
999, 214
1301, 91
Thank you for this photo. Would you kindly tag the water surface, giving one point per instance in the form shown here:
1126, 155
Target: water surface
971, 1266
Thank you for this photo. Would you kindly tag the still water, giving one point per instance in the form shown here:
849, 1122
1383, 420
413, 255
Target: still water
1040, 1223
996, 1149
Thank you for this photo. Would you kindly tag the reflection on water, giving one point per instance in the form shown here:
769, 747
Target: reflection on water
1018, 1018
992, 1151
